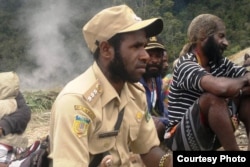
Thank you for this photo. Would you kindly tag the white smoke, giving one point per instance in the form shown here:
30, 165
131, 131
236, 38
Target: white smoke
57, 63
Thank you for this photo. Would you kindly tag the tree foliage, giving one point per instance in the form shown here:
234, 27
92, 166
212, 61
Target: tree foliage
176, 14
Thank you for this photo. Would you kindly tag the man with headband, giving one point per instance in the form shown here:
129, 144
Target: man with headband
209, 94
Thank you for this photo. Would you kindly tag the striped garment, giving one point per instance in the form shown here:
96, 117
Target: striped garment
186, 88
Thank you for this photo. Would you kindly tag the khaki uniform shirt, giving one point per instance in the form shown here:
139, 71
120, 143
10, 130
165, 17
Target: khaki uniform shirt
89, 106
7, 106
9, 89
9, 85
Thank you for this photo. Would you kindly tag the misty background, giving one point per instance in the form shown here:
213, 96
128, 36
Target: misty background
49, 24
42, 40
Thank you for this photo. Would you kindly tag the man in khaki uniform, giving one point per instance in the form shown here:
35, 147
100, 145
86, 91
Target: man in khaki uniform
103, 112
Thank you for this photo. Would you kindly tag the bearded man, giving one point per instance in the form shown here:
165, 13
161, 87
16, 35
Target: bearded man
152, 82
101, 115
209, 94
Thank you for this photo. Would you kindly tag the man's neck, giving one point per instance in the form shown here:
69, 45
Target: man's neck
202, 59
118, 86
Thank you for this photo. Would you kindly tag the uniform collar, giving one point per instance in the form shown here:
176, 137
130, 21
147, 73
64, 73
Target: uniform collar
109, 93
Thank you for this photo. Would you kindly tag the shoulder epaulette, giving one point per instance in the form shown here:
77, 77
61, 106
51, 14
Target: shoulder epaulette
93, 93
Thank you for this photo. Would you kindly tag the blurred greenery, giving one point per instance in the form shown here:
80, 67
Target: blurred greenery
40, 101
176, 14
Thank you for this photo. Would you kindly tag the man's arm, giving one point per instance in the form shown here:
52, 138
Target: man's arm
17, 121
222, 86
155, 155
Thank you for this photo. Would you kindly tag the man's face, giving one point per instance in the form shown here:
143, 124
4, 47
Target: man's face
213, 49
164, 63
129, 62
154, 65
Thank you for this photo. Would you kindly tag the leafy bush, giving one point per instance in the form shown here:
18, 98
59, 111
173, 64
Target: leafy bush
40, 101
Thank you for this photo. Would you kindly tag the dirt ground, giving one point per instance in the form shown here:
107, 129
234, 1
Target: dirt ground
241, 137
38, 128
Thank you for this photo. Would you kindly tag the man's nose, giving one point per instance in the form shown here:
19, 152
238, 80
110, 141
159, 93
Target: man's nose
144, 56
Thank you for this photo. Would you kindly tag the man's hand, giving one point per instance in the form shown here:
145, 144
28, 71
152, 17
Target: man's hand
160, 128
106, 161
245, 91
3, 164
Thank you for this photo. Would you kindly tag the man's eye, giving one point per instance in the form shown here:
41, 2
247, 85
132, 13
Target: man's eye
138, 45
221, 35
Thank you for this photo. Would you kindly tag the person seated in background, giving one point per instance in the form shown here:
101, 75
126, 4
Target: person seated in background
14, 116
209, 94
152, 82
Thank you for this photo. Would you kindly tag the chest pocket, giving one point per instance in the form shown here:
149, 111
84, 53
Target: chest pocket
97, 145
133, 132
105, 141
134, 124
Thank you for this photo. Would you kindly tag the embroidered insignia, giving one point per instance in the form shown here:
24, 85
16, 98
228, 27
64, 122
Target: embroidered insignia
86, 111
139, 116
80, 125
153, 39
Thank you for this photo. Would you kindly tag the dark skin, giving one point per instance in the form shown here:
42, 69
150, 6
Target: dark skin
134, 57
213, 103
164, 64
154, 68
155, 63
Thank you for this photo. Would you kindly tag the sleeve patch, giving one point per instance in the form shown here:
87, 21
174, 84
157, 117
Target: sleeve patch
80, 125
86, 111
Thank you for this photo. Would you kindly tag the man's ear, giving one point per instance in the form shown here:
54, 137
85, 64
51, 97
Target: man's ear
106, 49
246, 56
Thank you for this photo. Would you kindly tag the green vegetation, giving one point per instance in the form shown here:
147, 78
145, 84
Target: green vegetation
40, 101
176, 14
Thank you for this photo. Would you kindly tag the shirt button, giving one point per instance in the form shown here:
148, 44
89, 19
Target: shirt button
105, 145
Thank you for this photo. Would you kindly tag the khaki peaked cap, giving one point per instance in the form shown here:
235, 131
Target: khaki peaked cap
114, 20
154, 43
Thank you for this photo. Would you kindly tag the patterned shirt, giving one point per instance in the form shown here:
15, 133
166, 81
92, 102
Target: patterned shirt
186, 88
166, 82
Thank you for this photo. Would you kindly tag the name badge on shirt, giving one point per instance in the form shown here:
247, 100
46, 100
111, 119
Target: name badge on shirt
108, 134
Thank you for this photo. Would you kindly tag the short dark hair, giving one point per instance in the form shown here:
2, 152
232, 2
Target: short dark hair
115, 41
